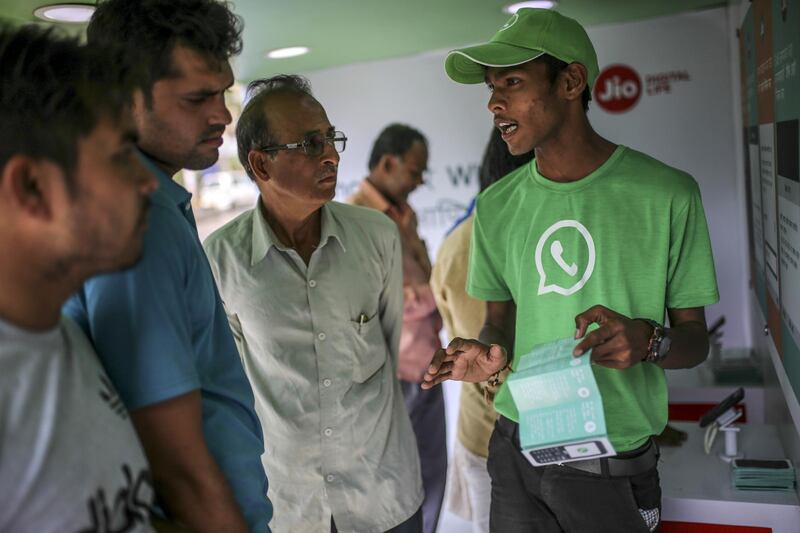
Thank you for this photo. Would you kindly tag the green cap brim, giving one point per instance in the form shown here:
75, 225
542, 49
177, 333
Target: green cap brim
468, 65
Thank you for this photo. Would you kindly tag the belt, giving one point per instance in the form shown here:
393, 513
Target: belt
626, 464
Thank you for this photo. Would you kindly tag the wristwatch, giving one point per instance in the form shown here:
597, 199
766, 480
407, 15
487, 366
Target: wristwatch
660, 342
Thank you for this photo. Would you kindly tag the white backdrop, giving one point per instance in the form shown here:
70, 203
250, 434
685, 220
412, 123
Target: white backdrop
688, 123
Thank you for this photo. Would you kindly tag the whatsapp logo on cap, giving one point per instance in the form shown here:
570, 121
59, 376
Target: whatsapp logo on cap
564, 267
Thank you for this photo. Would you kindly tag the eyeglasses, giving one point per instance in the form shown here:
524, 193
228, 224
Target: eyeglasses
314, 144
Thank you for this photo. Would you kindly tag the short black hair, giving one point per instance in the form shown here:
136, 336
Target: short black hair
395, 139
252, 129
555, 67
149, 30
53, 92
497, 160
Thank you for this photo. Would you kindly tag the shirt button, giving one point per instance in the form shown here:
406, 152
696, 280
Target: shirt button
312, 283
328, 432
321, 336
329, 478
326, 382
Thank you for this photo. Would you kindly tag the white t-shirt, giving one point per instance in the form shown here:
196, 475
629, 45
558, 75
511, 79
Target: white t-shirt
70, 460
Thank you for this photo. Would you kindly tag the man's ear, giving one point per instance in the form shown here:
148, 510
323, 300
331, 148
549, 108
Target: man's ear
259, 164
27, 185
574, 80
387, 163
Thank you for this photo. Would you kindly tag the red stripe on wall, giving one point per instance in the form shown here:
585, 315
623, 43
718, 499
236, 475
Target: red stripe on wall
693, 412
687, 527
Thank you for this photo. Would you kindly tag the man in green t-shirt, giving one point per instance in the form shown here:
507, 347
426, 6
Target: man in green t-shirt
591, 240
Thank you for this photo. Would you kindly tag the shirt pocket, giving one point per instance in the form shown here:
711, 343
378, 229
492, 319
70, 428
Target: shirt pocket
368, 348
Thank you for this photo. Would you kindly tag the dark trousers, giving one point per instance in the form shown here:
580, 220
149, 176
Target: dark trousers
426, 409
412, 525
557, 499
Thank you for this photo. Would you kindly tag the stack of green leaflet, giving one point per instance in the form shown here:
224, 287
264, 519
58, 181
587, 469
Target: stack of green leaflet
560, 408
753, 474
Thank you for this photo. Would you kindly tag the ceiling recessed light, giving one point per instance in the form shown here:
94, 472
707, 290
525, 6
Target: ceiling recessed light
292, 51
65, 12
538, 4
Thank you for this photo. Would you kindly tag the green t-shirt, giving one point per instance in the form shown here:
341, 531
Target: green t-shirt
631, 236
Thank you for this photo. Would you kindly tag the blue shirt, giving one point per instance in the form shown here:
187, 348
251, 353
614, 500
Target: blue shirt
161, 331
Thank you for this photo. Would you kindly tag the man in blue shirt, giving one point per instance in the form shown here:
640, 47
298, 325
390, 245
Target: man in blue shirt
160, 328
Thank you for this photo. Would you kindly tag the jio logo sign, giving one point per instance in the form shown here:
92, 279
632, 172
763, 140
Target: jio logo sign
618, 88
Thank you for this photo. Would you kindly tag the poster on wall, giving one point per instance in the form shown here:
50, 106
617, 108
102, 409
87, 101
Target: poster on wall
762, 17
753, 162
786, 53
769, 208
788, 154
770, 48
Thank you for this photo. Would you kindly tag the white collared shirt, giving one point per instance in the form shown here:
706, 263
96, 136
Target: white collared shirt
319, 343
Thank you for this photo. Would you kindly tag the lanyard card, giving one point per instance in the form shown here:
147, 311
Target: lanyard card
560, 408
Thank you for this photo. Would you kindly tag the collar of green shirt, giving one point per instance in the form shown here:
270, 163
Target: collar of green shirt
264, 237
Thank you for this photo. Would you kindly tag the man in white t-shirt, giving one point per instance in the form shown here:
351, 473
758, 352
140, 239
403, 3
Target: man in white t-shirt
73, 197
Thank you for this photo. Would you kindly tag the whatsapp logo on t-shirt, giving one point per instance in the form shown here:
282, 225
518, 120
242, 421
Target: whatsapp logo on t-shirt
565, 257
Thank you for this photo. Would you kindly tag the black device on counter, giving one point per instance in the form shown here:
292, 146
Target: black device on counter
716, 411
773, 464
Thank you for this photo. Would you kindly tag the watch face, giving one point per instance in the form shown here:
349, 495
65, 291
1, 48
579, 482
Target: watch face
663, 347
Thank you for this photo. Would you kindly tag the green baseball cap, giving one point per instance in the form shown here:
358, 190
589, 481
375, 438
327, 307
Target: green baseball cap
528, 34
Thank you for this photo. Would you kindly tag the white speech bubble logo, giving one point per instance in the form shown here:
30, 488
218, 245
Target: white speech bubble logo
556, 250
590, 427
584, 392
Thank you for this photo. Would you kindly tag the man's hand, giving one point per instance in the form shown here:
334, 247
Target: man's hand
464, 360
619, 342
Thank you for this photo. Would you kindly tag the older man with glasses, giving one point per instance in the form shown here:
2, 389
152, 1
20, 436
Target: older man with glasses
313, 291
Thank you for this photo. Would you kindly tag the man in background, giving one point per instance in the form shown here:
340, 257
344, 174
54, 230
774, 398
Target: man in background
160, 328
469, 486
397, 165
74, 201
313, 293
